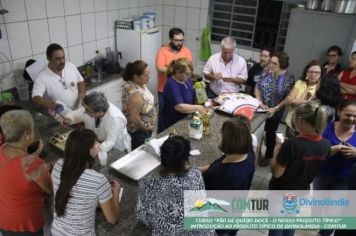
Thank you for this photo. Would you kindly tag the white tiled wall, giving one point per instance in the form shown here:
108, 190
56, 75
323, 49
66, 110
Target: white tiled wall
80, 26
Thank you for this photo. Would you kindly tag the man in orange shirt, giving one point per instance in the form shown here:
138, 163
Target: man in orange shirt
172, 51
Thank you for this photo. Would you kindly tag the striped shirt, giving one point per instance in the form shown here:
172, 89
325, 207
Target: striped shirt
79, 218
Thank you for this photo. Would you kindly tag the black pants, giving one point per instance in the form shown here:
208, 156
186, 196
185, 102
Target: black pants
27, 233
271, 127
138, 138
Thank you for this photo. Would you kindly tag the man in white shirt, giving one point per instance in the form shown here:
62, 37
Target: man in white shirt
59, 81
105, 119
226, 70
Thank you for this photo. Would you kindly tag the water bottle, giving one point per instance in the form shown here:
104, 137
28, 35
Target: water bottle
196, 127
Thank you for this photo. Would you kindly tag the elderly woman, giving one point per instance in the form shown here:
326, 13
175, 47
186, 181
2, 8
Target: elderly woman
298, 160
178, 93
272, 90
304, 89
160, 202
332, 65
348, 79
78, 189
24, 178
138, 103
105, 119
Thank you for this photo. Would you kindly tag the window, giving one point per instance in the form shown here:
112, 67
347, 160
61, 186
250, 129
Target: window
253, 23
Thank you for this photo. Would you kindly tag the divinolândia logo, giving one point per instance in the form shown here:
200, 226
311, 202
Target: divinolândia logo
238, 204
290, 204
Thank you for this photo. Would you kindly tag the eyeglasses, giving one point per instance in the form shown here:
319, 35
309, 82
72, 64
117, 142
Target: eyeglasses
63, 82
313, 72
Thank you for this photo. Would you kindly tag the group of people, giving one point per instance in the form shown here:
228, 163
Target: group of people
320, 125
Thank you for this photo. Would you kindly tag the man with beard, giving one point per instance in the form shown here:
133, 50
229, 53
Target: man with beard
256, 70
59, 81
225, 70
172, 51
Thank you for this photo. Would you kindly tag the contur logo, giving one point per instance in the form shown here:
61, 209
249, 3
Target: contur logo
211, 205
290, 204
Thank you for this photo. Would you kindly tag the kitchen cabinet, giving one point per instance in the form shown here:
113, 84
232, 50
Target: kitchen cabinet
311, 33
112, 90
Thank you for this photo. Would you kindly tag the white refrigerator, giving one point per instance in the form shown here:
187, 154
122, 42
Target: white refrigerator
141, 45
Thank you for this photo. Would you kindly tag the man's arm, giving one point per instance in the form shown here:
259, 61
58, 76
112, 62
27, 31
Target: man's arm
81, 88
348, 88
236, 80
44, 102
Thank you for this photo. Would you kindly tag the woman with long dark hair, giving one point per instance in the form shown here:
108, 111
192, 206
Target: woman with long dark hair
78, 188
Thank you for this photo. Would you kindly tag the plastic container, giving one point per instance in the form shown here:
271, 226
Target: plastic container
137, 23
196, 128
152, 17
22, 91
145, 22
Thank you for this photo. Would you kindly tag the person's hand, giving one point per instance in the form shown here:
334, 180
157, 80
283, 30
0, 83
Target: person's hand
218, 76
229, 80
40, 147
51, 105
202, 110
348, 150
271, 111
115, 186
263, 106
203, 85
66, 121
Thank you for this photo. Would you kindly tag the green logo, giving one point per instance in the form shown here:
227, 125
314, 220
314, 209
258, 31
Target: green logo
200, 206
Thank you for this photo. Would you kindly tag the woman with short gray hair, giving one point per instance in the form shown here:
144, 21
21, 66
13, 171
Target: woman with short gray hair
96, 101
24, 178
105, 119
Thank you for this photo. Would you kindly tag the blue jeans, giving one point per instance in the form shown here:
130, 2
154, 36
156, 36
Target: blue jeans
325, 182
282, 232
160, 127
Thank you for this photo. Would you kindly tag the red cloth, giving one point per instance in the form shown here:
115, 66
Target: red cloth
21, 200
347, 79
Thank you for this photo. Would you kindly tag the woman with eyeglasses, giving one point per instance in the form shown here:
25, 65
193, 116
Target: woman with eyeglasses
303, 90
178, 93
78, 189
298, 160
160, 201
138, 103
332, 66
348, 79
272, 90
